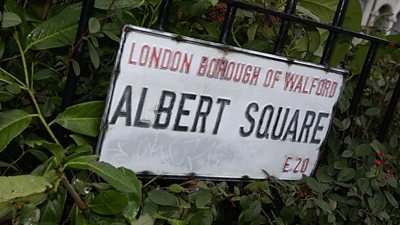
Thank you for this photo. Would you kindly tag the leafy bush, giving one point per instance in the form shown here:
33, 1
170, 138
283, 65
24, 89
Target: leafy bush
49, 171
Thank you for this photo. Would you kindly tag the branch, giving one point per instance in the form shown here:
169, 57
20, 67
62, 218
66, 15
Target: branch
71, 190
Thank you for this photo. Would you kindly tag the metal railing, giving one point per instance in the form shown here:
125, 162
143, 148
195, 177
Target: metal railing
287, 17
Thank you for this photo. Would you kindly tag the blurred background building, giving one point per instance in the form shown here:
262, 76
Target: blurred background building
382, 14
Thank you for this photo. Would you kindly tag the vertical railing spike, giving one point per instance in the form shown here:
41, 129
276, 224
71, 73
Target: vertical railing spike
330, 41
290, 8
390, 111
70, 86
369, 59
227, 25
163, 16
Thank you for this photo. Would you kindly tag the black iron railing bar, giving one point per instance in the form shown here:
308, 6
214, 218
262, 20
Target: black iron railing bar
337, 22
369, 59
163, 16
390, 111
70, 85
290, 8
227, 25
301, 20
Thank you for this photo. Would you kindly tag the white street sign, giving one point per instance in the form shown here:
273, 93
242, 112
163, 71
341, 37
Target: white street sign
180, 106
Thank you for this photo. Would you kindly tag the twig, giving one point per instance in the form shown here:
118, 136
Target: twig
14, 162
71, 190
42, 119
151, 181
110, 6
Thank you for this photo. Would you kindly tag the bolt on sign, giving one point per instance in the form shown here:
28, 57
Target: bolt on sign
180, 106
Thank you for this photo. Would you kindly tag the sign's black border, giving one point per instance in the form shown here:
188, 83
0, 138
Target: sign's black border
130, 28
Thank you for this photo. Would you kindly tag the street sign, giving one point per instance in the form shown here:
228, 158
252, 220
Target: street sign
180, 106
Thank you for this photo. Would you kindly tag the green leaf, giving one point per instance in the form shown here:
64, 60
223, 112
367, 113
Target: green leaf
288, 214
76, 67
4, 209
77, 151
323, 205
47, 108
258, 45
79, 139
145, 219
176, 222
94, 25
352, 21
13, 88
82, 118
46, 74
136, 195
391, 199
310, 40
201, 217
161, 197
359, 58
346, 174
109, 202
120, 179
57, 150
251, 32
149, 207
380, 201
12, 123
213, 2
313, 184
251, 212
79, 217
323, 176
14, 187
324, 9
364, 186
300, 10
202, 185
384, 215
5, 164
27, 214
212, 30
5, 96
346, 123
393, 141
347, 153
118, 4
131, 210
10, 19
53, 210
353, 16
176, 188
340, 163
258, 186
57, 31
95, 42
373, 111
202, 198
377, 146
112, 36
363, 150
94, 55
